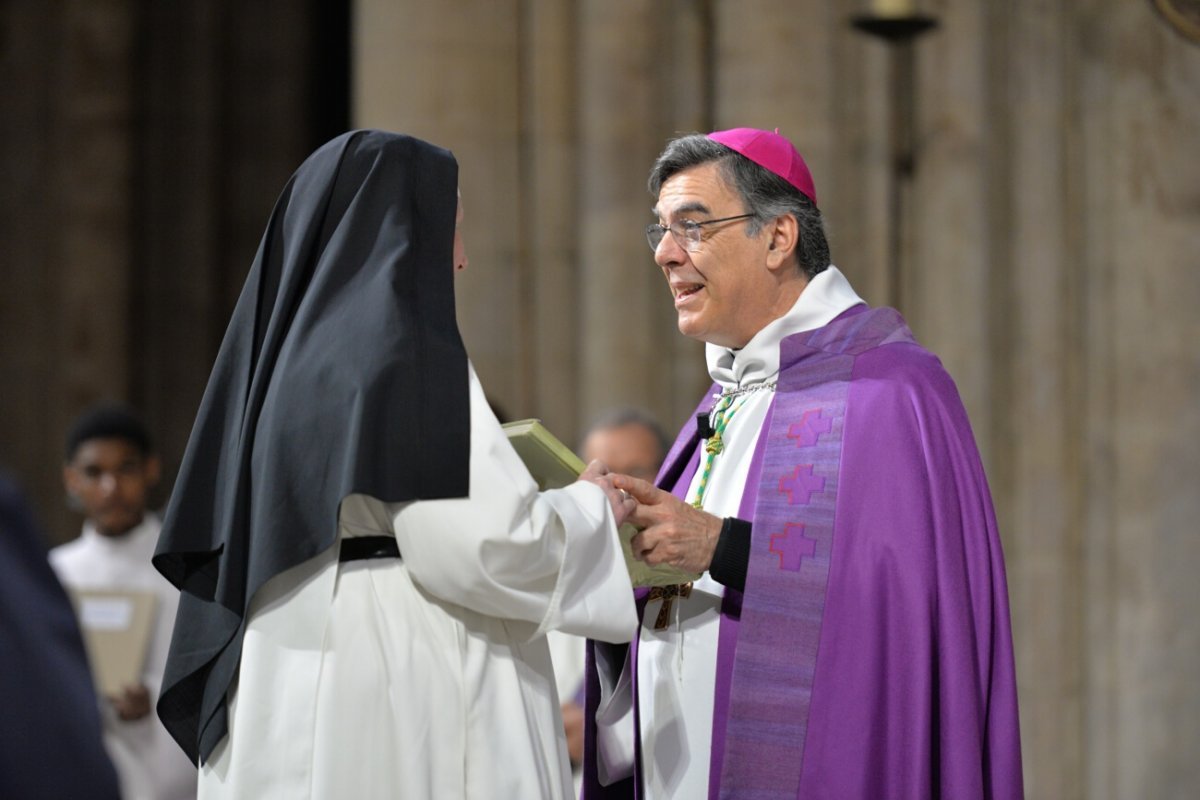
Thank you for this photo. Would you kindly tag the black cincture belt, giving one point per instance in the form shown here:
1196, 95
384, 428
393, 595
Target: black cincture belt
357, 548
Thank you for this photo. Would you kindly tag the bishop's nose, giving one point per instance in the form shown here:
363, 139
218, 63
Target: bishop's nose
669, 253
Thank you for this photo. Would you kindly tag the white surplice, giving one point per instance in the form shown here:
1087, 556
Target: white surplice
427, 676
149, 764
676, 667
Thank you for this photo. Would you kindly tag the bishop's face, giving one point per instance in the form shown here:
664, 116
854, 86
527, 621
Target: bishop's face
460, 248
724, 293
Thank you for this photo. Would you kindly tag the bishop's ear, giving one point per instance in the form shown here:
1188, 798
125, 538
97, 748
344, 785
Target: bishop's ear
783, 233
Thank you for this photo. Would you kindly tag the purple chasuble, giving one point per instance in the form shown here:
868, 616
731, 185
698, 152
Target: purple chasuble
870, 655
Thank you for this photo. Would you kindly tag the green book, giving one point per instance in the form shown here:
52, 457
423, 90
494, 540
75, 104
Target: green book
553, 465
549, 461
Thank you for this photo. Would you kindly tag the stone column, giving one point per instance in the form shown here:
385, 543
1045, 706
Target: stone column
226, 115
1039, 484
68, 229
450, 74
1140, 293
622, 300
178, 293
551, 229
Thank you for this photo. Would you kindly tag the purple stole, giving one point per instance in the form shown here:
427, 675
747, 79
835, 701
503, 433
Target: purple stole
914, 697
769, 637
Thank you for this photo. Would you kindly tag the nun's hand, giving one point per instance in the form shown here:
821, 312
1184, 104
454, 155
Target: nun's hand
622, 503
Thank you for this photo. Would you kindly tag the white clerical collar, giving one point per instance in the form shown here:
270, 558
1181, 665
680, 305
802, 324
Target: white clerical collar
821, 301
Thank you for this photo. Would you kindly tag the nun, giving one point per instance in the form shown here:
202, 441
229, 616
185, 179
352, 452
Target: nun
367, 570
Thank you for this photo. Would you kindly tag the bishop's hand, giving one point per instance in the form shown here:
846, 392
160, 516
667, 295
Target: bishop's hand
673, 532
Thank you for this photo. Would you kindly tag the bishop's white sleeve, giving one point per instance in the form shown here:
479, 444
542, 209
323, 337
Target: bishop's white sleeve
508, 551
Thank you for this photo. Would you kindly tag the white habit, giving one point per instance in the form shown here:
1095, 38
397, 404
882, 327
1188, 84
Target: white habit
149, 763
428, 676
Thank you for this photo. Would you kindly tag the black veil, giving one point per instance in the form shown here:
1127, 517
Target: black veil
342, 371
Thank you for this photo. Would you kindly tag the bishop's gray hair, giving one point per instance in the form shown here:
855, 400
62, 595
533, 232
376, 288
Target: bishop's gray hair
764, 194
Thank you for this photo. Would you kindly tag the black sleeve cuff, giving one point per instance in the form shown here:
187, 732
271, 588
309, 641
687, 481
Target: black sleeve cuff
731, 558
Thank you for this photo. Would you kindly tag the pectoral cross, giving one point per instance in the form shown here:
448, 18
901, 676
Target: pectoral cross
667, 594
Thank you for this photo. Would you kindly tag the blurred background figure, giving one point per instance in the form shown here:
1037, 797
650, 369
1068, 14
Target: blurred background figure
50, 743
628, 440
110, 470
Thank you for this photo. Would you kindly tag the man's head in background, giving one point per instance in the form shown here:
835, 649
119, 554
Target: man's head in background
110, 468
628, 440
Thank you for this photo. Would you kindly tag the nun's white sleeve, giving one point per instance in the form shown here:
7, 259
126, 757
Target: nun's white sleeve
550, 558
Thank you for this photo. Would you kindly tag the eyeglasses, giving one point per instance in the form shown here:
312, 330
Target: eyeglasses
686, 232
